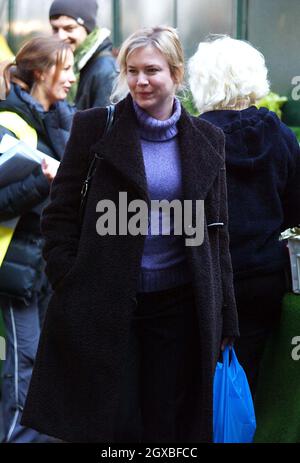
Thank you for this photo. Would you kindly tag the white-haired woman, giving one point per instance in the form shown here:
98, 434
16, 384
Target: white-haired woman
227, 77
135, 326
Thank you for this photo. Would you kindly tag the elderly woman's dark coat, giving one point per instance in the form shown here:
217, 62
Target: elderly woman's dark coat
75, 386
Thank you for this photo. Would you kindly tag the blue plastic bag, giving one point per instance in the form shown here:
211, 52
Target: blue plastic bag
234, 417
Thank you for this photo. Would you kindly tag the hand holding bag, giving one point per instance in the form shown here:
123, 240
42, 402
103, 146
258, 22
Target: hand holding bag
234, 417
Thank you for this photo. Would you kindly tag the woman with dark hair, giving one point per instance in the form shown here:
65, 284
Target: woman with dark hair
34, 87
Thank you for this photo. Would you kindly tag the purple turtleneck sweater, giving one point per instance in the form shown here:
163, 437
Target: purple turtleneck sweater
164, 262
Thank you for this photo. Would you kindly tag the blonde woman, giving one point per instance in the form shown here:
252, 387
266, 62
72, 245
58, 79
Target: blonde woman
135, 326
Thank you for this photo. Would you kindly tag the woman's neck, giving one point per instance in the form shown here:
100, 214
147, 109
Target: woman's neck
238, 105
162, 114
163, 111
38, 94
156, 129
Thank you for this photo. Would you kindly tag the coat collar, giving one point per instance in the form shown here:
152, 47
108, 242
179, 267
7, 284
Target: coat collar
122, 148
200, 160
201, 155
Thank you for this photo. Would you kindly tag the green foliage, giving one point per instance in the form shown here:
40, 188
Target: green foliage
273, 102
296, 131
188, 103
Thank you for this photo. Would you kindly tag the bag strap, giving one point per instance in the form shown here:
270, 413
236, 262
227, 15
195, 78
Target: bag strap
86, 184
110, 118
20, 128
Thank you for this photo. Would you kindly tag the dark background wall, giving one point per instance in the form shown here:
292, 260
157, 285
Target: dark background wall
274, 27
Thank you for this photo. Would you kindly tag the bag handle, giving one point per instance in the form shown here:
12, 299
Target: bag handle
229, 356
92, 167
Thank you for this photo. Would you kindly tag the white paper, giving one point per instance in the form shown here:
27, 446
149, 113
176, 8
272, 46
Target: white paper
7, 142
19, 160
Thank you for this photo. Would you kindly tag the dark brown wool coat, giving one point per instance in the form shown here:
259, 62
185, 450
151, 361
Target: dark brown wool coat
76, 380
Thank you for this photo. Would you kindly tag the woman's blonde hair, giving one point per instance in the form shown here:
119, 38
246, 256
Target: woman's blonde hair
225, 72
36, 56
163, 38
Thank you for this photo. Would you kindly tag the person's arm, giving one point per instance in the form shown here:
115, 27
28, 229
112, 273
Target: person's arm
60, 225
18, 198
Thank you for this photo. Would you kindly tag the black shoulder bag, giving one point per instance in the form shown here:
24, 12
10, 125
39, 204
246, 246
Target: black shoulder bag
92, 167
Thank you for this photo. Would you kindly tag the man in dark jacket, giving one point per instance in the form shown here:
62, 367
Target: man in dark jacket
74, 21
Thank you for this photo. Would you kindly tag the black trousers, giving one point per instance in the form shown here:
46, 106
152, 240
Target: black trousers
259, 301
159, 368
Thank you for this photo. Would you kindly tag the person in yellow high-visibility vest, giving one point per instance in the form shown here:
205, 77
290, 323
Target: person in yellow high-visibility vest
34, 85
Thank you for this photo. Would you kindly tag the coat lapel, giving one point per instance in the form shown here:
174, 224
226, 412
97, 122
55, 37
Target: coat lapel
201, 161
122, 148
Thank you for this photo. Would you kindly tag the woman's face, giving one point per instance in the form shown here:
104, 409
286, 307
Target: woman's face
150, 81
56, 89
